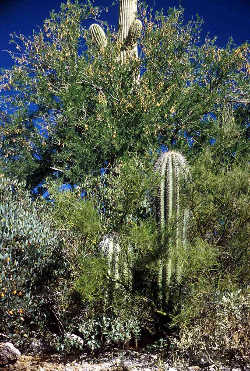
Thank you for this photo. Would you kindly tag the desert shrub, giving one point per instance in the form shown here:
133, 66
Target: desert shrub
115, 248
73, 213
104, 331
102, 323
32, 263
120, 206
218, 328
218, 197
92, 283
211, 310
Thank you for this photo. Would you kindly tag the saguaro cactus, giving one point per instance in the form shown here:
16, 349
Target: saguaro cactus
118, 259
98, 35
128, 33
171, 166
129, 28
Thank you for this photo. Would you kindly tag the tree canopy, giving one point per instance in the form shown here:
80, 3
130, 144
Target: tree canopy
67, 106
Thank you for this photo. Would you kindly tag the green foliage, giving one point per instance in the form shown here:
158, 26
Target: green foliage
92, 283
218, 197
32, 263
97, 331
73, 213
105, 263
96, 116
126, 195
219, 326
211, 307
143, 237
198, 259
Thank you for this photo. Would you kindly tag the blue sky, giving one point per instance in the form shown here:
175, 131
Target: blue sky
223, 18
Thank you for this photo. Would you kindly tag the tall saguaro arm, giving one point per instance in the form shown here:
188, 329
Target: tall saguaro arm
128, 33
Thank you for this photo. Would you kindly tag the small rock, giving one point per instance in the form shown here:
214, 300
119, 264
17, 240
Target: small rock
8, 354
194, 368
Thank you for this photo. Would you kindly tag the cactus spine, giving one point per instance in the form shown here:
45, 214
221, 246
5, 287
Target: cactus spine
128, 33
171, 166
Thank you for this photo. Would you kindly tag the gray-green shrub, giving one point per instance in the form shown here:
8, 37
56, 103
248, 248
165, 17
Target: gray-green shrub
32, 263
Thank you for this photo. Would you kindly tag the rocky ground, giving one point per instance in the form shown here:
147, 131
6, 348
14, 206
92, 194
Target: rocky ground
112, 361
126, 361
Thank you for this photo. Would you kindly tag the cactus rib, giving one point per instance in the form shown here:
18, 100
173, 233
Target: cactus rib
98, 35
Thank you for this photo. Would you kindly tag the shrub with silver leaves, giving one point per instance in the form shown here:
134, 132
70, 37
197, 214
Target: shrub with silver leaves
30, 260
